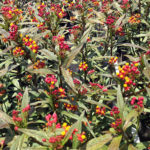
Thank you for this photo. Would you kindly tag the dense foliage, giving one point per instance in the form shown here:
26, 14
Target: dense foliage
74, 74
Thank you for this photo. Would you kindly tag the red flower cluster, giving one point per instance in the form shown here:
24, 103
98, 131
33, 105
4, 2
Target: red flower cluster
100, 110
58, 10
10, 12
120, 32
128, 73
137, 102
18, 51
13, 31
81, 137
51, 80
83, 66
76, 81
70, 106
39, 64
60, 92
31, 44
42, 10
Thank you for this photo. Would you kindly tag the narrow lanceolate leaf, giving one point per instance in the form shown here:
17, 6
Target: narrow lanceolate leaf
120, 101
40, 71
25, 100
114, 145
129, 118
38, 135
17, 143
68, 78
76, 50
133, 45
97, 143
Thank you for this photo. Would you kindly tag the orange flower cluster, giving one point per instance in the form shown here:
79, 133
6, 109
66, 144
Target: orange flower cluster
31, 44
18, 51
113, 60
128, 73
39, 64
83, 66
100, 110
134, 19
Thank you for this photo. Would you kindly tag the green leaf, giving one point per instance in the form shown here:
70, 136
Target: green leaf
131, 147
128, 119
115, 143
97, 143
40, 71
16, 83
25, 99
18, 143
68, 79
120, 101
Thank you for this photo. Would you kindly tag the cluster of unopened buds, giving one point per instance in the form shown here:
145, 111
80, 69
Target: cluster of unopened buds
113, 60
18, 51
110, 20
83, 66
135, 19
76, 81
51, 80
118, 121
52, 125
39, 64
17, 119
75, 30
137, 103
31, 44
128, 73
19, 96
10, 12
13, 31
93, 85
100, 110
